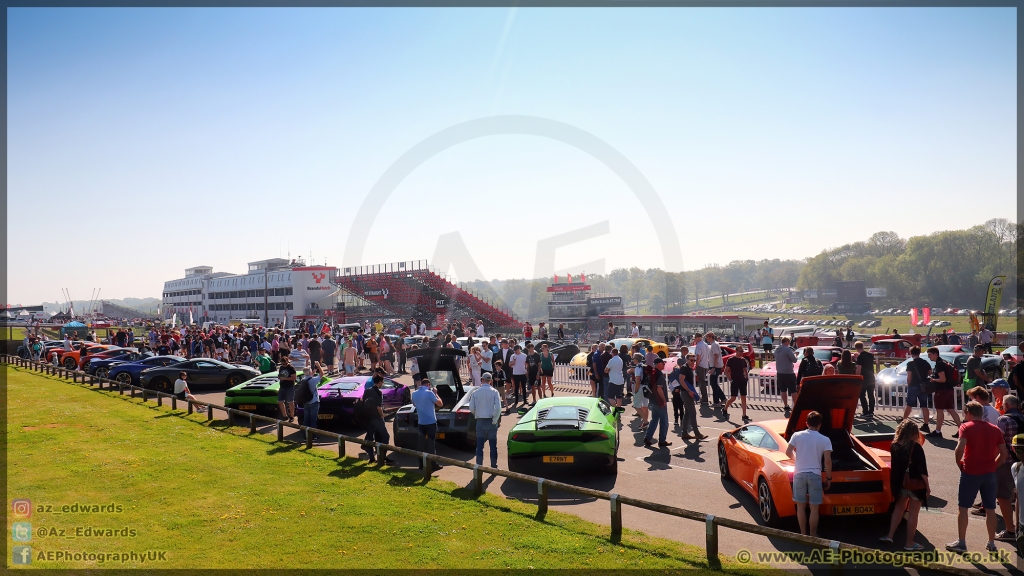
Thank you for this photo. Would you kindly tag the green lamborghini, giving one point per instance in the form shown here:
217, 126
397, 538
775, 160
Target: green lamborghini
259, 395
566, 432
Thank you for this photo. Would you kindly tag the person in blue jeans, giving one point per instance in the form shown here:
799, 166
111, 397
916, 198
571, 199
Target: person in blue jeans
658, 406
485, 405
425, 400
311, 409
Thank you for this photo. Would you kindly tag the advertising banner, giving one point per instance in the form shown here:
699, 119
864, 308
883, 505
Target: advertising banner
876, 292
927, 310
993, 298
913, 316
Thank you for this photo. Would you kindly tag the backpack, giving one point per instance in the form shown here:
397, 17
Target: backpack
645, 382
952, 375
302, 392
814, 368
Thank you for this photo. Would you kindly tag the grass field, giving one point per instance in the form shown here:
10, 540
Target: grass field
216, 497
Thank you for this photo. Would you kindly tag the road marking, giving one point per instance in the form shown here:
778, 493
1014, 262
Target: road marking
641, 459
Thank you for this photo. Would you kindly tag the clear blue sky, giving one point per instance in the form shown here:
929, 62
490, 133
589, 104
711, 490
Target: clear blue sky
210, 136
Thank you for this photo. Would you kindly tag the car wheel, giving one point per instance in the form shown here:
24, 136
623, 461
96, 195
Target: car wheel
723, 461
406, 397
234, 379
766, 504
661, 355
161, 384
102, 372
125, 378
70, 363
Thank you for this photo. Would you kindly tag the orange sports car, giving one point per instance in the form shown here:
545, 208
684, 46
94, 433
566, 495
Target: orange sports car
71, 358
755, 455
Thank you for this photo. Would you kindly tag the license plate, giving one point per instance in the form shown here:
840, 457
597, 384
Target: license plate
558, 459
852, 510
440, 436
324, 416
247, 407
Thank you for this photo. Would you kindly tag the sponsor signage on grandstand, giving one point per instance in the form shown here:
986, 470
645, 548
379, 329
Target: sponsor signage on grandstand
876, 292
569, 288
439, 303
383, 292
605, 301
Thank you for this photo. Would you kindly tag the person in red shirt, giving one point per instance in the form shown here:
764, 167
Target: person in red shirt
979, 451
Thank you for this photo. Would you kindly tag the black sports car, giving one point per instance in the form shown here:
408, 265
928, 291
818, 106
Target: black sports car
203, 373
564, 353
454, 421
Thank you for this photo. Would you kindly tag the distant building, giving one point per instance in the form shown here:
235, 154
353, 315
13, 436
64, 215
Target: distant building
574, 305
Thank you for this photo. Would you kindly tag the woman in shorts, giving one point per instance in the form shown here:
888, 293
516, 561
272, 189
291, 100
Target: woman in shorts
908, 459
182, 392
547, 370
640, 401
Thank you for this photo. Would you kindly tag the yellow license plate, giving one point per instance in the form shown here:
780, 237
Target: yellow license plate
247, 407
440, 436
852, 510
558, 459
324, 416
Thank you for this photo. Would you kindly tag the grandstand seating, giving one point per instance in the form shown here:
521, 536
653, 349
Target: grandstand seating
417, 293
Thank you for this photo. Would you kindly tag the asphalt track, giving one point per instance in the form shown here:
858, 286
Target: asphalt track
686, 475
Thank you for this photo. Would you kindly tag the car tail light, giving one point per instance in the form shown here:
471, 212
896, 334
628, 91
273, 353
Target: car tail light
788, 466
593, 436
522, 436
462, 414
229, 393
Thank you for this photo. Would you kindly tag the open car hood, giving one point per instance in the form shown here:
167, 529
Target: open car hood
834, 397
441, 360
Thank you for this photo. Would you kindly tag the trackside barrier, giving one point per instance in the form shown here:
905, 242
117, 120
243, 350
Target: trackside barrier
712, 523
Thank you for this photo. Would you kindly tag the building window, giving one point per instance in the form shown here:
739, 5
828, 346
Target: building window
290, 305
288, 292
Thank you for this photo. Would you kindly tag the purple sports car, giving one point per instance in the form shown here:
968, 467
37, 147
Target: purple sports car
339, 398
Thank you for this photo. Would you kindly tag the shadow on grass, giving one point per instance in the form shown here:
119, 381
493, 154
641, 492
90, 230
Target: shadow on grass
352, 466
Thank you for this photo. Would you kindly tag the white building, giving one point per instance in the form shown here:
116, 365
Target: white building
275, 291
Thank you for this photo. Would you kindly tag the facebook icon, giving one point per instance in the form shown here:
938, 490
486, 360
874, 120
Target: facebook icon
21, 555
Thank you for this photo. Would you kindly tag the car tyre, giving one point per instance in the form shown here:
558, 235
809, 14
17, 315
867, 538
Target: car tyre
234, 379
125, 378
161, 385
70, 363
723, 462
766, 504
102, 372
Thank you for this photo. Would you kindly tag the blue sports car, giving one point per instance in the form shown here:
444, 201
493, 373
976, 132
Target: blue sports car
101, 366
128, 373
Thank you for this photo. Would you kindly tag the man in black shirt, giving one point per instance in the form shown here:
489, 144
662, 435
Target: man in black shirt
314, 350
286, 392
918, 370
866, 369
373, 411
1017, 375
944, 391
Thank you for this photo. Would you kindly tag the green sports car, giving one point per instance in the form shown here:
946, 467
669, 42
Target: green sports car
564, 432
259, 395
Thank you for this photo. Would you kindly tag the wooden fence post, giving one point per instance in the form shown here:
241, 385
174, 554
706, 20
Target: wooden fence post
380, 453
712, 543
174, 402
252, 424
309, 438
159, 399
341, 447
189, 406
542, 499
428, 466
616, 518
478, 480
209, 413
280, 431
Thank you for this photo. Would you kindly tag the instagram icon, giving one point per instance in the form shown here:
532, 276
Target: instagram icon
21, 508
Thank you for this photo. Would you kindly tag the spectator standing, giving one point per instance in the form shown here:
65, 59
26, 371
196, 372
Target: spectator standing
286, 375
704, 363
767, 338
547, 371
315, 349
785, 359
985, 339
919, 388
979, 452
485, 405
600, 377
373, 406
1010, 424
943, 378
908, 462
533, 371
518, 361
330, 352
616, 384
425, 399
658, 384
561, 332
474, 365
634, 330
975, 376
690, 398
866, 369
980, 395
311, 409
349, 357
717, 365
737, 370
486, 358
849, 337
400, 350
809, 449
640, 401
610, 332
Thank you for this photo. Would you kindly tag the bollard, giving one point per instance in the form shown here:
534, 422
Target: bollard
145, 395
428, 467
341, 447
309, 438
616, 518
280, 431
478, 480
252, 424
711, 535
380, 453
209, 413
133, 391
189, 406
159, 399
542, 499
837, 563
174, 402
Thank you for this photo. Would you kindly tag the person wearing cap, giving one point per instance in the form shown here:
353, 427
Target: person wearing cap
485, 405
658, 384
1010, 424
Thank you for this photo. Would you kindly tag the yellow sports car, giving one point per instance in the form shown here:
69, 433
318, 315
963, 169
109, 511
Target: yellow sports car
659, 348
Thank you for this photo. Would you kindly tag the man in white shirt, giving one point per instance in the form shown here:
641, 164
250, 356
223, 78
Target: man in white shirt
480, 329
485, 406
518, 362
718, 396
703, 352
634, 330
423, 328
808, 448
67, 342
486, 358
616, 383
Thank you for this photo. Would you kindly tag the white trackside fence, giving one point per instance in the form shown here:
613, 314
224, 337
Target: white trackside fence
760, 389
